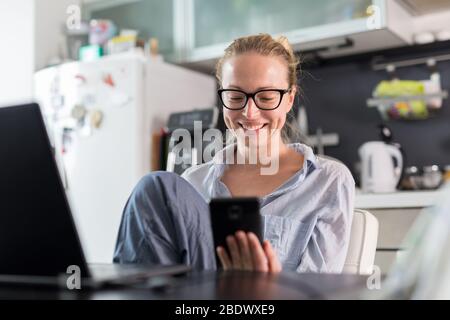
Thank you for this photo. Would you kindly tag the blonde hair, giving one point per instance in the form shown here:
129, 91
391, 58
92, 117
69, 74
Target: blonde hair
265, 45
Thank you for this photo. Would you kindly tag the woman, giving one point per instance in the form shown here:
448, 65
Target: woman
307, 202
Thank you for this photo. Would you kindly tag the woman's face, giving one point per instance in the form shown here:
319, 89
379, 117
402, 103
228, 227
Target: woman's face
251, 72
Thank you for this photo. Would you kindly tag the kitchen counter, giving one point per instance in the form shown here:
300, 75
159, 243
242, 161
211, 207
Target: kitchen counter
399, 199
396, 213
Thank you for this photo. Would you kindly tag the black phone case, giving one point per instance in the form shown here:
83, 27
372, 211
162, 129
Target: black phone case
229, 215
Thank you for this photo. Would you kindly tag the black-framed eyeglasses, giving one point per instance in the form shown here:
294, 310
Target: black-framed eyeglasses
265, 99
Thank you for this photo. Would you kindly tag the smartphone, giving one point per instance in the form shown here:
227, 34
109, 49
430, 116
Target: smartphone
229, 215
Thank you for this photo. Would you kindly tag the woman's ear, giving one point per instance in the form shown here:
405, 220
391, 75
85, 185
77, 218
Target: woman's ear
292, 93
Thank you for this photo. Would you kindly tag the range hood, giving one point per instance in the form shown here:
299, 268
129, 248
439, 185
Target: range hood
423, 7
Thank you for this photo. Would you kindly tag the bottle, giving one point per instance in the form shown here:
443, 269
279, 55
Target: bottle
447, 173
152, 49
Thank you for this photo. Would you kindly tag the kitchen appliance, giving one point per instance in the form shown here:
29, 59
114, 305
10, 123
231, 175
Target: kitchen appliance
195, 123
425, 178
381, 167
100, 116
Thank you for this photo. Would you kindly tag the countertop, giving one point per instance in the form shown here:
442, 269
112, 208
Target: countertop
399, 199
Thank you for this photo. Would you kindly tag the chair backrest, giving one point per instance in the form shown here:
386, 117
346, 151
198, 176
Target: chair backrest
363, 243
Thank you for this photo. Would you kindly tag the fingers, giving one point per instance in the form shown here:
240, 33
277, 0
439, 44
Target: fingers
259, 258
246, 256
274, 263
246, 252
224, 258
234, 252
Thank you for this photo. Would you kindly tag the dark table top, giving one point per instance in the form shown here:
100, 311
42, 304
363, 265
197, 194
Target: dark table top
210, 285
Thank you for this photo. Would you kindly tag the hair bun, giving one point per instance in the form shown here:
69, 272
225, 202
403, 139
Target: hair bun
285, 43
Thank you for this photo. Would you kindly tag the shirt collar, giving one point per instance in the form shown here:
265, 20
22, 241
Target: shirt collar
310, 164
301, 148
307, 152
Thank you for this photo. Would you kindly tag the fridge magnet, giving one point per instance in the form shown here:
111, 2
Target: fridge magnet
96, 118
108, 80
67, 140
80, 79
78, 112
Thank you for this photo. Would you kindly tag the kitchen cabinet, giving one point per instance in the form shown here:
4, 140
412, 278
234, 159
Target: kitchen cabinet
226, 20
396, 213
394, 225
152, 18
332, 27
195, 32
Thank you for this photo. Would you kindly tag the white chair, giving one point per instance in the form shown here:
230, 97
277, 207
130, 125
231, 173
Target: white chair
363, 240
363, 243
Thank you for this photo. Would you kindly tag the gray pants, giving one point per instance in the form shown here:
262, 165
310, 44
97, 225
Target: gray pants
165, 221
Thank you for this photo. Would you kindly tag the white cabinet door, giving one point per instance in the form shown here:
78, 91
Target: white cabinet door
218, 21
346, 26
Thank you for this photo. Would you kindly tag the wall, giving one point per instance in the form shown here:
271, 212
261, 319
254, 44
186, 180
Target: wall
335, 98
50, 19
17, 52
30, 33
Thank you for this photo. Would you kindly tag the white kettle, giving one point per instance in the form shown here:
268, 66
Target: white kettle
379, 172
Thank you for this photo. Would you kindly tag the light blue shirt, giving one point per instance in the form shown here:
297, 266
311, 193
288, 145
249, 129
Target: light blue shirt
307, 219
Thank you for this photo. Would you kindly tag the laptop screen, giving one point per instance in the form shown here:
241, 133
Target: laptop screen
37, 233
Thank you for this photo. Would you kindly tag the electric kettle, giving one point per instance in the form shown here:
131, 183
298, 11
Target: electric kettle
381, 167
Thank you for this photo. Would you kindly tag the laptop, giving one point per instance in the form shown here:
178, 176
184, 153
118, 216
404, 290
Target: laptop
39, 243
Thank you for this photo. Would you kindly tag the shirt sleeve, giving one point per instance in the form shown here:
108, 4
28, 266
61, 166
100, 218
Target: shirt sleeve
327, 248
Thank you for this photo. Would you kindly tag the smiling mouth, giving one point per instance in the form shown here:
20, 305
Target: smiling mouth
252, 128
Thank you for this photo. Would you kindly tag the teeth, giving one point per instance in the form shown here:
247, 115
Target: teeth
252, 127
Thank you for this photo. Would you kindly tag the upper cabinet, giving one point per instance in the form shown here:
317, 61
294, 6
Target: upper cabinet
152, 18
195, 32
218, 21
333, 27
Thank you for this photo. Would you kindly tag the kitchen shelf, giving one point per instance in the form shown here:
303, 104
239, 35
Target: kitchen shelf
375, 102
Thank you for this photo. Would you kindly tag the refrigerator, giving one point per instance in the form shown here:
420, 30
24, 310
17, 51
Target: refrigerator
100, 117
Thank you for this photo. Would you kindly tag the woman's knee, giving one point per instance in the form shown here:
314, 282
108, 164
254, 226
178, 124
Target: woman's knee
160, 175
156, 179
169, 185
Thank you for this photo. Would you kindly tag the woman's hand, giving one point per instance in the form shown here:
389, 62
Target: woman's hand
246, 253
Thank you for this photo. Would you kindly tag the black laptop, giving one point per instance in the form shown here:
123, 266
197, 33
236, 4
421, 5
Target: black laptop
39, 243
